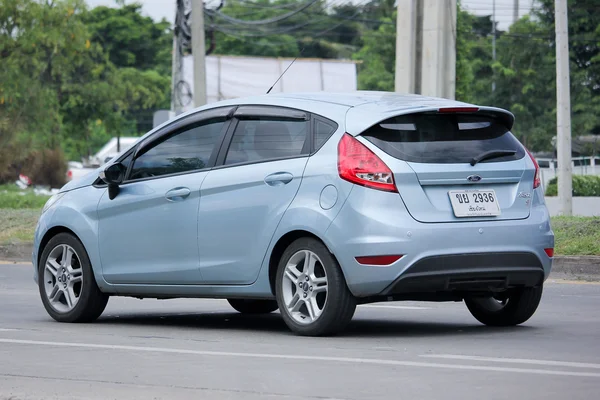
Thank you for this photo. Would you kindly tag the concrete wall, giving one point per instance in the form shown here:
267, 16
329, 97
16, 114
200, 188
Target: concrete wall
582, 206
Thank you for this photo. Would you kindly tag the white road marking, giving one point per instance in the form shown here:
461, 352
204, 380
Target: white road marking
397, 307
5, 262
7, 329
349, 360
514, 361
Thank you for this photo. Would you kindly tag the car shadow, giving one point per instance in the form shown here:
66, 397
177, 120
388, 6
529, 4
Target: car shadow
273, 323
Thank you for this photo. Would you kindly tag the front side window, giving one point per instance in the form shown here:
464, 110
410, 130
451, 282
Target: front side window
261, 139
188, 150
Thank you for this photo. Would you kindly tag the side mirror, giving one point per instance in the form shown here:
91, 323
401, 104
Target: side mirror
113, 175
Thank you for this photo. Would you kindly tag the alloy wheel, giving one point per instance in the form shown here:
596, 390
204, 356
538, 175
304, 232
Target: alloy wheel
304, 287
63, 278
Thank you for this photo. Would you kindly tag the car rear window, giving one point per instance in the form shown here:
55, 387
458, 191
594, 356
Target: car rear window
443, 138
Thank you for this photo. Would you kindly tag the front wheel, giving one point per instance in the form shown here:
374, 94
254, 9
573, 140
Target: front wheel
66, 281
510, 309
311, 290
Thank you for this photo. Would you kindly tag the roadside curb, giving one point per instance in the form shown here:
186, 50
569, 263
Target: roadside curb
576, 268
585, 268
17, 252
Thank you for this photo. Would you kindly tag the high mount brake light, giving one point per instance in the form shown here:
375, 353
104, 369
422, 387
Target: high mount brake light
359, 165
458, 109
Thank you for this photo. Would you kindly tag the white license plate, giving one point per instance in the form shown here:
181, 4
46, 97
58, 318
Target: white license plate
474, 203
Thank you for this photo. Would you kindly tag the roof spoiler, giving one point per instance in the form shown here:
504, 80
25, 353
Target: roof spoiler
360, 123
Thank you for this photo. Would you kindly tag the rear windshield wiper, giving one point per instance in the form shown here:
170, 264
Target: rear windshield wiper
492, 154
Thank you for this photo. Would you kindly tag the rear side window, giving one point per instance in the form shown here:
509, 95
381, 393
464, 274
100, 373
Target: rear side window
443, 138
265, 138
323, 130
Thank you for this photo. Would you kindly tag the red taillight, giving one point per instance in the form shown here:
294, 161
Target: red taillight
378, 260
69, 174
549, 252
358, 164
537, 181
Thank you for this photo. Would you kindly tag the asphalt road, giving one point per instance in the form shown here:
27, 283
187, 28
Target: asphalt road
191, 349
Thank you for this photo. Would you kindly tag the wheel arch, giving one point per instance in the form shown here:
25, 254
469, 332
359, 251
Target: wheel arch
282, 244
55, 230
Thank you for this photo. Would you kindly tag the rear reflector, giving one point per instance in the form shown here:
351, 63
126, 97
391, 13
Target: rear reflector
378, 260
549, 252
458, 109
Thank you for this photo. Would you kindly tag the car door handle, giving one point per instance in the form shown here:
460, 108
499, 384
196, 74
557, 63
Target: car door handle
278, 178
177, 194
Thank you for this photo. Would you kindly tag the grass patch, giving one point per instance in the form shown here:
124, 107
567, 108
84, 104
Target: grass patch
17, 226
14, 198
577, 236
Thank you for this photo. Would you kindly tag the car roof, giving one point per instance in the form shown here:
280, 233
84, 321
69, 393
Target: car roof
355, 111
351, 99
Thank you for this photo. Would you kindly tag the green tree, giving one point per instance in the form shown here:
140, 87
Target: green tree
131, 39
378, 57
59, 91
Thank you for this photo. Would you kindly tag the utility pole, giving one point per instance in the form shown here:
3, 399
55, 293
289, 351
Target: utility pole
408, 34
515, 11
563, 108
198, 52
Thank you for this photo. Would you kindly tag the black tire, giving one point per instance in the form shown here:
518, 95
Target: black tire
520, 306
340, 305
92, 301
251, 306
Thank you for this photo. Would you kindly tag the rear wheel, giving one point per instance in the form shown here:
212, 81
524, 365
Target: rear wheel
253, 306
311, 290
510, 309
66, 281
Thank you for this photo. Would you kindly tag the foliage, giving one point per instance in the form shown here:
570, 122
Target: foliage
131, 39
576, 236
378, 58
583, 185
59, 88
10, 197
47, 166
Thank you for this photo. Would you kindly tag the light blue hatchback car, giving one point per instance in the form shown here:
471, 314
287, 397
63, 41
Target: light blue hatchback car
309, 203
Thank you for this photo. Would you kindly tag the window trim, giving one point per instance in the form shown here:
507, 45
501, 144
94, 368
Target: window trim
264, 111
172, 130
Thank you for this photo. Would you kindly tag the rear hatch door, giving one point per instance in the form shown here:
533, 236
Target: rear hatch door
456, 166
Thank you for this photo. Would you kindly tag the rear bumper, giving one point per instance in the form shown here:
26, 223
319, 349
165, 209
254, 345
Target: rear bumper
436, 257
469, 272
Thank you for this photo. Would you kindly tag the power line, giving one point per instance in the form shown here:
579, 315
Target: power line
263, 21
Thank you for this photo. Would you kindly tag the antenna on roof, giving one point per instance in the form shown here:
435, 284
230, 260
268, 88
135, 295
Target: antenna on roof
288, 67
